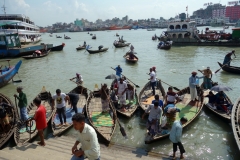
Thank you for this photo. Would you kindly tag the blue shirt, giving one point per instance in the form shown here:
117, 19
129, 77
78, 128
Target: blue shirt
176, 132
160, 103
193, 80
118, 71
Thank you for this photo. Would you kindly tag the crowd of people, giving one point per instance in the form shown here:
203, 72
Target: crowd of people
120, 91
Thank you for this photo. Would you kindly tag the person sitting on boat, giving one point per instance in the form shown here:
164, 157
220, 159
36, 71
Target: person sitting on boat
122, 88
125, 79
104, 92
155, 114
207, 80
161, 44
100, 47
223, 105
4, 119
211, 99
170, 111
130, 93
171, 97
157, 99
34, 54
131, 55
118, 70
227, 58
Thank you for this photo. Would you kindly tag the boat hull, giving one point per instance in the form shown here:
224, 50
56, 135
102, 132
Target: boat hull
235, 121
12, 112
6, 77
97, 51
230, 69
57, 48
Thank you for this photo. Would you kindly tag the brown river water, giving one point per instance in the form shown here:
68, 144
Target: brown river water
207, 137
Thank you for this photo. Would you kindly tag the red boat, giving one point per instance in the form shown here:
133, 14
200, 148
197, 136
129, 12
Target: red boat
119, 28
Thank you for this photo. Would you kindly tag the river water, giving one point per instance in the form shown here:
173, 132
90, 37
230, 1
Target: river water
208, 137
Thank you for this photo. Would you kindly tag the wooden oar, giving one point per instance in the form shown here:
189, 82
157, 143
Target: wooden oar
122, 130
129, 80
223, 66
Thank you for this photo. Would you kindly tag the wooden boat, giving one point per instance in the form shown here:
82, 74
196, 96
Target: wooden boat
103, 123
8, 73
8, 131
117, 35
94, 37
219, 113
58, 48
58, 36
97, 51
235, 121
230, 69
91, 34
57, 131
146, 96
127, 57
37, 56
80, 48
131, 105
66, 37
120, 45
166, 47
189, 110
24, 133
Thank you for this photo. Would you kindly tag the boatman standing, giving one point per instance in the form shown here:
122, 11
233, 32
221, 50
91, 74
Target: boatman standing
132, 48
118, 70
228, 58
193, 86
207, 78
153, 80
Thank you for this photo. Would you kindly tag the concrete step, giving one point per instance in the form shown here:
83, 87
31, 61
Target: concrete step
8, 156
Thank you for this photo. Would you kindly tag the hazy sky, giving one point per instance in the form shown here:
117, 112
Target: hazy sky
47, 12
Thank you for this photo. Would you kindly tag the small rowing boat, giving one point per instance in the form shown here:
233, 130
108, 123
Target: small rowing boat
8, 130
146, 97
120, 45
8, 73
58, 48
235, 121
131, 100
97, 51
103, 123
213, 109
24, 133
37, 55
189, 110
94, 37
128, 57
59, 130
166, 47
80, 48
230, 69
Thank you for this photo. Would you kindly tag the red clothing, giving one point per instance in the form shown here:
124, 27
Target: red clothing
40, 118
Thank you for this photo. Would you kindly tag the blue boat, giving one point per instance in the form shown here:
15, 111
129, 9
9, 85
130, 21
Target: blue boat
8, 73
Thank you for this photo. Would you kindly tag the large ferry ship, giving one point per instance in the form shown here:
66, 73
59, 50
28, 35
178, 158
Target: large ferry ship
18, 23
185, 33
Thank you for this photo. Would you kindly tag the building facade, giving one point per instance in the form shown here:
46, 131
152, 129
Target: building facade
233, 12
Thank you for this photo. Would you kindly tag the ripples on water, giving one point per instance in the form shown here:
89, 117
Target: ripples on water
208, 137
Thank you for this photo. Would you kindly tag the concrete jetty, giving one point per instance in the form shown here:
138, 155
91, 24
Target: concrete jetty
59, 148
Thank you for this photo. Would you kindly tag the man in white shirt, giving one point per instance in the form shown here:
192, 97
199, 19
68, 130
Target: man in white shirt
61, 99
171, 97
153, 80
87, 136
155, 114
122, 87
